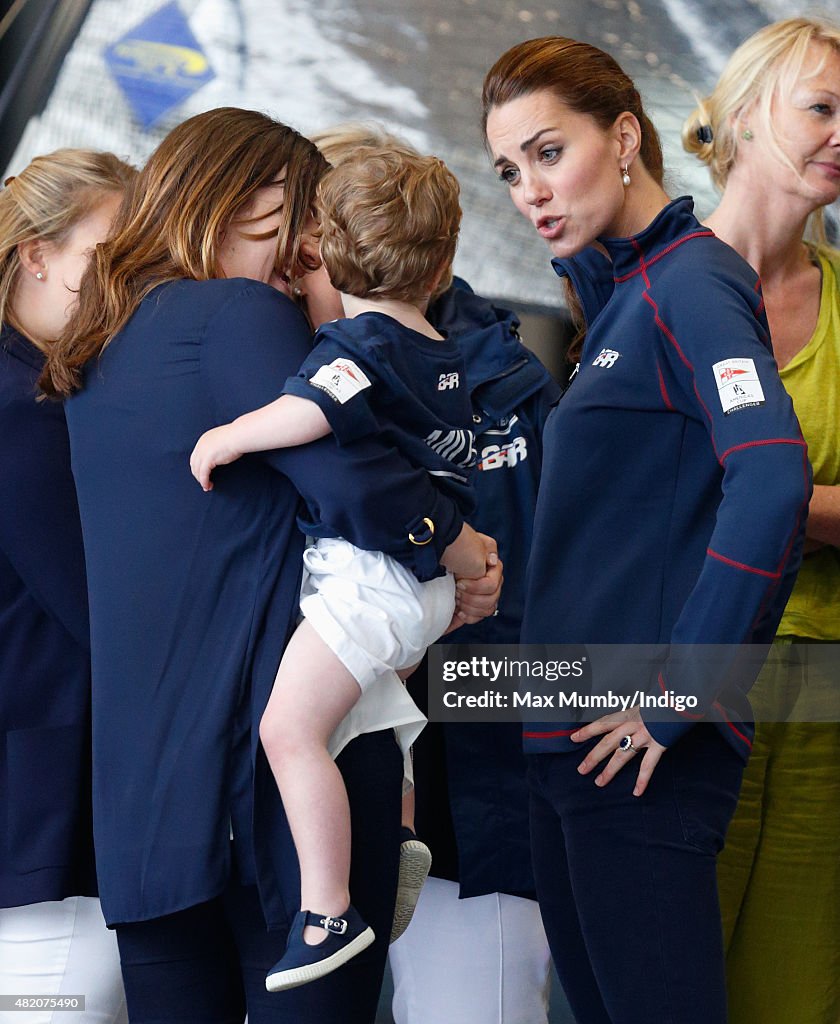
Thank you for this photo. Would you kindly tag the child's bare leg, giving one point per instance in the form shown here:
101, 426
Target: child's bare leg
312, 693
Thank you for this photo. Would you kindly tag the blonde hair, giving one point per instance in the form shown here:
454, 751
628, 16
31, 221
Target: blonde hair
356, 138
763, 67
47, 200
201, 176
389, 223
343, 141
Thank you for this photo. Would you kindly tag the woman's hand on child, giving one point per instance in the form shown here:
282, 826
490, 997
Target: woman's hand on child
476, 598
214, 448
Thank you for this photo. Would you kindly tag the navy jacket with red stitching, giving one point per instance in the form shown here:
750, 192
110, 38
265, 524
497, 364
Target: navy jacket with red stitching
675, 485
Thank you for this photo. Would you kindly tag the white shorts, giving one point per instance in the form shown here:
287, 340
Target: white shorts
377, 618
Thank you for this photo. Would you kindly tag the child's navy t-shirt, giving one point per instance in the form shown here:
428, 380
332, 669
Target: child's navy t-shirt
372, 375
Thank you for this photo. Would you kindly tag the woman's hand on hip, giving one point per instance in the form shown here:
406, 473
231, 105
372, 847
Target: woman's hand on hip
615, 728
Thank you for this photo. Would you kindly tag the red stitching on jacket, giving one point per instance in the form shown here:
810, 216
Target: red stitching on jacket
759, 444
737, 732
668, 248
660, 323
662, 390
685, 714
760, 305
740, 565
642, 265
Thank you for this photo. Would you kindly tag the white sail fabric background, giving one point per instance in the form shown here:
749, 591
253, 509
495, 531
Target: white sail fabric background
417, 68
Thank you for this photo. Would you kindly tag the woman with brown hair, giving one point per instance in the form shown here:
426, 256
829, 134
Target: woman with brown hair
672, 503
193, 596
770, 136
53, 940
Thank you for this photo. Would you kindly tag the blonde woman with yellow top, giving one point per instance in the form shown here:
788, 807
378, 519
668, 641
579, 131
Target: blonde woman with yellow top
770, 134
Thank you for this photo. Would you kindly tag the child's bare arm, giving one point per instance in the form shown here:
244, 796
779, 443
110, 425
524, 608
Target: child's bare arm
285, 423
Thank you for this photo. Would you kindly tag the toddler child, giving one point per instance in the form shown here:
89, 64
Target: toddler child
389, 225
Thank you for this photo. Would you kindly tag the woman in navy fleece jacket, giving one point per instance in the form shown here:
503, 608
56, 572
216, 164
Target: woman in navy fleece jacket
673, 499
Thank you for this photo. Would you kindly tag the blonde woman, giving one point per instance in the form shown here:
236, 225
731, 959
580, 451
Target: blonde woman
53, 940
770, 135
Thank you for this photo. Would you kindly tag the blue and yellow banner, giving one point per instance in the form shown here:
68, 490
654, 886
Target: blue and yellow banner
158, 64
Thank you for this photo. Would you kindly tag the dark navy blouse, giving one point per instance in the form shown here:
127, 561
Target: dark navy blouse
46, 849
193, 595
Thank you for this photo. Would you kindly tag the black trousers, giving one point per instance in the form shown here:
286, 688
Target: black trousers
627, 885
207, 964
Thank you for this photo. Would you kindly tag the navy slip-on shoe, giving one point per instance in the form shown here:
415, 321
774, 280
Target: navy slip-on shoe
302, 963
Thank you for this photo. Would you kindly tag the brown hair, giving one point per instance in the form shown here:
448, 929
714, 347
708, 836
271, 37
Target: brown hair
47, 200
588, 81
199, 178
389, 223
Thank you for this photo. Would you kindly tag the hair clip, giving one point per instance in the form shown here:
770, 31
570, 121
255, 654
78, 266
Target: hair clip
704, 133
9, 180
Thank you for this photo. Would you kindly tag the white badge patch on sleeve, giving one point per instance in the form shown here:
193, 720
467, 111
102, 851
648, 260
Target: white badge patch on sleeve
341, 379
738, 384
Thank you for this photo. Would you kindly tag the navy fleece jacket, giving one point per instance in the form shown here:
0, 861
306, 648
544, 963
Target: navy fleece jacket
675, 478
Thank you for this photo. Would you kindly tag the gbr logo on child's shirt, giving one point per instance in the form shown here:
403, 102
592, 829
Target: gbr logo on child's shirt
497, 456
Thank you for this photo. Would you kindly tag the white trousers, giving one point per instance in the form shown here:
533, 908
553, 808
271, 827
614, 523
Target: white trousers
61, 948
483, 960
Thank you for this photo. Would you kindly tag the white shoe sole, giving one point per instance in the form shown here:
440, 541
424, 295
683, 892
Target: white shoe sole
415, 861
281, 980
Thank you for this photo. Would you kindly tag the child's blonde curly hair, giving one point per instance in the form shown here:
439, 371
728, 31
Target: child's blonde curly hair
389, 224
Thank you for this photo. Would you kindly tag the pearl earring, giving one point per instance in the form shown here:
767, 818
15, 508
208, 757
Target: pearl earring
625, 176
40, 276
747, 135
